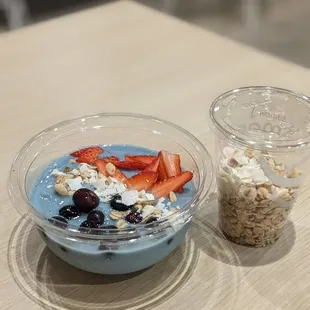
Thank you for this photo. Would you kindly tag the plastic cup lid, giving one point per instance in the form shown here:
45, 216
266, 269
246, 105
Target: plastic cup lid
263, 117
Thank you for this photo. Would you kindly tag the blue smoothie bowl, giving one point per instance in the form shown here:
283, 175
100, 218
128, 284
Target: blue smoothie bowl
102, 250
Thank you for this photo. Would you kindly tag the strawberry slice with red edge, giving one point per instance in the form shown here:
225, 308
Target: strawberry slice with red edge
162, 174
100, 164
142, 181
88, 155
94, 149
163, 188
172, 164
145, 159
128, 165
118, 175
153, 166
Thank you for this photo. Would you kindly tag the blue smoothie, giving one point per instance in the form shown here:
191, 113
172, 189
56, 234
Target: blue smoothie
100, 256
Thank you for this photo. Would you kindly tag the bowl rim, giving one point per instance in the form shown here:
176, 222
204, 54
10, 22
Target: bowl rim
202, 192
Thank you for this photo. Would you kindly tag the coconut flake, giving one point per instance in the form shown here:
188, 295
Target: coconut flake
147, 210
253, 162
83, 168
99, 184
129, 198
74, 184
160, 205
228, 151
149, 196
241, 158
258, 176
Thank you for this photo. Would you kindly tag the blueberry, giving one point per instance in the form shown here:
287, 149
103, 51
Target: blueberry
86, 200
89, 224
58, 221
69, 212
96, 216
134, 218
116, 204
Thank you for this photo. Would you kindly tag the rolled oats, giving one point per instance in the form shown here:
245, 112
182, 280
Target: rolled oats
148, 202
173, 197
264, 202
110, 168
116, 215
250, 193
61, 189
121, 224
262, 193
157, 212
252, 210
75, 172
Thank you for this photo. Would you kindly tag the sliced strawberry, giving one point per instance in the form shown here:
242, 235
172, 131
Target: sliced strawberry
153, 166
94, 149
129, 165
162, 189
118, 175
172, 163
75, 154
162, 175
142, 181
111, 158
101, 163
145, 159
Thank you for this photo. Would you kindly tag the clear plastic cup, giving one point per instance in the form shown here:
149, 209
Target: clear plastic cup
263, 136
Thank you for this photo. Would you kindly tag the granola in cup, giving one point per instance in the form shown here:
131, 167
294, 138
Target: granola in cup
263, 136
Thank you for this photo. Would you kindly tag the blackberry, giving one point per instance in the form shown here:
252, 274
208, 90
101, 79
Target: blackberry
116, 204
134, 218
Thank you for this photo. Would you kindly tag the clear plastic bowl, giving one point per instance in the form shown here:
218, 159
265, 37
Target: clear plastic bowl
124, 250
